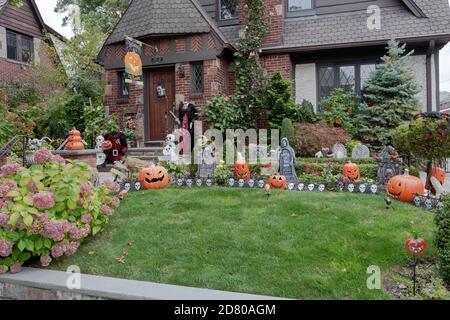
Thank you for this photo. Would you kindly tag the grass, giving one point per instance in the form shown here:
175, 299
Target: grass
294, 245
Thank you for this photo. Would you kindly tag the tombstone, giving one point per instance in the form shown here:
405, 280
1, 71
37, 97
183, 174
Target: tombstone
339, 151
389, 165
361, 152
287, 161
206, 161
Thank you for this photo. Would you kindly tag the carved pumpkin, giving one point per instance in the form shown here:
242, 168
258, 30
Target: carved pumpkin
107, 145
278, 182
74, 142
154, 178
241, 170
417, 246
133, 64
351, 171
405, 187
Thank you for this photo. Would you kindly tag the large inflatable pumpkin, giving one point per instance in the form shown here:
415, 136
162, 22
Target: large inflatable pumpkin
277, 181
351, 171
405, 187
154, 178
133, 64
241, 170
74, 142
439, 174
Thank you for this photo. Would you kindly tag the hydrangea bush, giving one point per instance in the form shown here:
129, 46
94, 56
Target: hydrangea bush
48, 209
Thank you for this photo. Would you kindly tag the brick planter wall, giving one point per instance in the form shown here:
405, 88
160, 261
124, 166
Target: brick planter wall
87, 156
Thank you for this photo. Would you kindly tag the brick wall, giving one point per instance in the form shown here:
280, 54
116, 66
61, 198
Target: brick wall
278, 62
274, 34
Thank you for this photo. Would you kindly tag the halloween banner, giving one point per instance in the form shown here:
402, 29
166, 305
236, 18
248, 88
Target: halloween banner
133, 62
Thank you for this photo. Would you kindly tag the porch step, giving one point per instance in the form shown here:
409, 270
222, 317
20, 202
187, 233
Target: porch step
146, 154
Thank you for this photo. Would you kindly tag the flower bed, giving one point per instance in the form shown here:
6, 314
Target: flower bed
48, 209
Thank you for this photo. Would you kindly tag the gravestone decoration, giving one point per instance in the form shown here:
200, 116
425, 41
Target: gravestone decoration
287, 161
206, 160
361, 152
339, 151
389, 165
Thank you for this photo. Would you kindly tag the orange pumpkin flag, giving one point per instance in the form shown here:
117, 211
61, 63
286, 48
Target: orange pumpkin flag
154, 178
351, 171
440, 175
133, 64
405, 187
277, 181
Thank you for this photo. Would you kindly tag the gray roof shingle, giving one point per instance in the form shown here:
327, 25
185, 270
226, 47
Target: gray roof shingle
148, 17
396, 22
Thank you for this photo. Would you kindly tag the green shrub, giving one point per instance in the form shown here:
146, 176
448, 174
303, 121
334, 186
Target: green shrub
306, 113
368, 171
48, 209
340, 110
442, 240
224, 113
22, 93
288, 131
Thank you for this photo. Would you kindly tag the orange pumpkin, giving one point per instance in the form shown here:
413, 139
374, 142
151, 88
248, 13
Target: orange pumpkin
241, 170
351, 171
74, 142
277, 181
439, 174
107, 145
133, 63
405, 187
154, 178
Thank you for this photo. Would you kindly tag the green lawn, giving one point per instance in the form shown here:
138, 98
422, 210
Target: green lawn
237, 240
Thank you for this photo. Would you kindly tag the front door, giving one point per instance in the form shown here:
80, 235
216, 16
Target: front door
161, 101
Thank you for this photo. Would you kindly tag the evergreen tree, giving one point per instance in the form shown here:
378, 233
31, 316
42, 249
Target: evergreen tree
288, 131
390, 97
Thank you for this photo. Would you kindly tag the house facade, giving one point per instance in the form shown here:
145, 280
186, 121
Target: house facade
21, 35
318, 44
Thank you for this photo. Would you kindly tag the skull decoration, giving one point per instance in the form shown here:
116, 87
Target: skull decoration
137, 186
261, 184
180, 182
126, 187
351, 188
417, 201
301, 187
429, 204
251, 183
101, 158
199, 182
362, 188
209, 183
241, 183
291, 186
374, 188
322, 188
311, 187
231, 182
169, 149
189, 183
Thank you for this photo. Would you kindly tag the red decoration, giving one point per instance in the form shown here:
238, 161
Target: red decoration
115, 146
241, 170
416, 247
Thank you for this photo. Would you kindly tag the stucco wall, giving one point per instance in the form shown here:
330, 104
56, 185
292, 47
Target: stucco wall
305, 83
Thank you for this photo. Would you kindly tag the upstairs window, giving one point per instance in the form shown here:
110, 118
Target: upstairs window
299, 5
19, 47
228, 9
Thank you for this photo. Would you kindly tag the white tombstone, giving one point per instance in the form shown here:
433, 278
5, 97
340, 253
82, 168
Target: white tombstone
361, 152
339, 151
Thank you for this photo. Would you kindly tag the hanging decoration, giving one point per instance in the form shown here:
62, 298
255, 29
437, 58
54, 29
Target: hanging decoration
133, 62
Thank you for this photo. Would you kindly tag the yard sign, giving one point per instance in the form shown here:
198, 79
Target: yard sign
133, 62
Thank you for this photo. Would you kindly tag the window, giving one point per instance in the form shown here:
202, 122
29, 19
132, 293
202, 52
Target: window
123, 86
350, 77
197, 78
299, 5
228, 9
19, 47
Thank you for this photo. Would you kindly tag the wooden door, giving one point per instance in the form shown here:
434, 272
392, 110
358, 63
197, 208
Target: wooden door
161, 100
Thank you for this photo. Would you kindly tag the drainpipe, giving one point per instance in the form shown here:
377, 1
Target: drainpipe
430, 52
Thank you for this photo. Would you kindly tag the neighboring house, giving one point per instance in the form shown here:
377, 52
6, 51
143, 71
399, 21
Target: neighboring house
319, 44
21, 34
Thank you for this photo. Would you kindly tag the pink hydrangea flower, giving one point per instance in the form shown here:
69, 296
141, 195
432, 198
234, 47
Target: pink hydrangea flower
31, 187
86, 190
43, 155
4, 221
106, 210
6, 248
5, 188
58, 159
72, 248
9, 170
56, 230
115, 203
80, 202
44, 200
16, 268
252, 54
58, 251
111, 186
45, 261
271, 13
3, 269
86, 218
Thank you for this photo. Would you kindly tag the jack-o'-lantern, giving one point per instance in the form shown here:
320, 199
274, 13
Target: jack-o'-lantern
74, 141
241, 170
416, 246
351, 171
133, 64
439, 174
405, 187
154, 178
278, 182
107, 145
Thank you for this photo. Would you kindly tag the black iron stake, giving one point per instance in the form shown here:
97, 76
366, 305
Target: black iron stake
415, 276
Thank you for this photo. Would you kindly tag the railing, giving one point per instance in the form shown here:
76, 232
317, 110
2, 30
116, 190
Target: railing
14, 142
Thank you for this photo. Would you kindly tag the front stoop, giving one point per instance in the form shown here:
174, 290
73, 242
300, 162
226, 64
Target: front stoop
39, 284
